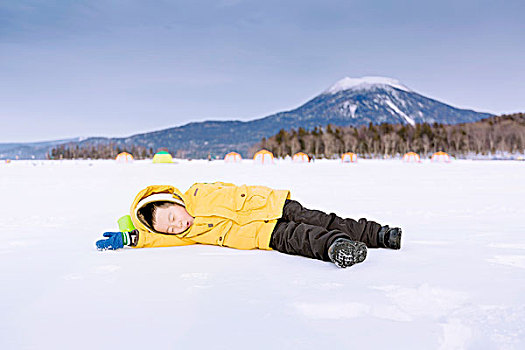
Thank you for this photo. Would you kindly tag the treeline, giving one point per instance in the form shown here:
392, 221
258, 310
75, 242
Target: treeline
505, 133
99, 151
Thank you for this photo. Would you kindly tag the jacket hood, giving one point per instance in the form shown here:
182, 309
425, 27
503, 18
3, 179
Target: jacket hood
150, 194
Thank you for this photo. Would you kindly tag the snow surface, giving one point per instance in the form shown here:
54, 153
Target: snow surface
364, 83
458, 281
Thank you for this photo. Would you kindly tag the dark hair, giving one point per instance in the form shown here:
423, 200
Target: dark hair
147, 212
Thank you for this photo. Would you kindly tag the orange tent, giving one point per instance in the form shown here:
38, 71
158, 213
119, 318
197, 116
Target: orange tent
263, 157
349, 157
440, 157
124, 157
411, 157
300, 157
232, 157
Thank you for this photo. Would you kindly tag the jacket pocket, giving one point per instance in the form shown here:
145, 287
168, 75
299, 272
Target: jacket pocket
256, 197
240, 195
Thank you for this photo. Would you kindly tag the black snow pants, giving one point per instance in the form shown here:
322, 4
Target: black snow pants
309, 233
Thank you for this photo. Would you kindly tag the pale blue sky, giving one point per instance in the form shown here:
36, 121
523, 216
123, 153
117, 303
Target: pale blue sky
116, 68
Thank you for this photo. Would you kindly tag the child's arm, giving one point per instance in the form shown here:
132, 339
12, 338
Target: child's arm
153, 240
117, 240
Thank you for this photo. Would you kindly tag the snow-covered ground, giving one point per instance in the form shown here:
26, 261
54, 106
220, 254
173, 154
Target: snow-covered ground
458, 281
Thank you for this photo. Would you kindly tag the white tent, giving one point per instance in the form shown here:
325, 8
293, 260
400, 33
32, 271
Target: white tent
263, 157
440, 157
411, 157
300, 158
124, 157
232, 157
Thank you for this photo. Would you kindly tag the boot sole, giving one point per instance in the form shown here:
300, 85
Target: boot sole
348, 253
395, 241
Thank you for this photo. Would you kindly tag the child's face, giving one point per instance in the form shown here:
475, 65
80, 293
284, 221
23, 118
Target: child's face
172, 219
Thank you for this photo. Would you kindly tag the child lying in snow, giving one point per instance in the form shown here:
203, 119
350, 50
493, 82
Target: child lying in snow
247, 217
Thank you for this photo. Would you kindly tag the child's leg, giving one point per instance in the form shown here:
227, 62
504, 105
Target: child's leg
303, 239
362, 231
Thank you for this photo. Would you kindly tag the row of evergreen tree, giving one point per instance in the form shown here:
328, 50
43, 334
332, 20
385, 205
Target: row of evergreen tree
98, 151
505, 133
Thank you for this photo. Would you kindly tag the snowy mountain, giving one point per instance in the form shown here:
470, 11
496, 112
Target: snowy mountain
365, 83
376, 100
349, 102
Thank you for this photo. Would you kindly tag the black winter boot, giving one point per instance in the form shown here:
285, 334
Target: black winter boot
390, 237
345, 252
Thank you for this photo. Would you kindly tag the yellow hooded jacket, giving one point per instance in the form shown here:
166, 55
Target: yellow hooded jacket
241, 217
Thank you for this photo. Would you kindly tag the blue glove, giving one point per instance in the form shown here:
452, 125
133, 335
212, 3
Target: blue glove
113, 242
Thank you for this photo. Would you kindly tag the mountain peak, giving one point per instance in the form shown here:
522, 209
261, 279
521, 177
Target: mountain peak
364, 83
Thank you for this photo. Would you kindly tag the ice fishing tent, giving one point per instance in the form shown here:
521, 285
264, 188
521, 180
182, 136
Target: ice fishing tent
162, 157
263, 157
124, 157
411, 157
232, 157
440, 157
300, 157
349, 157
